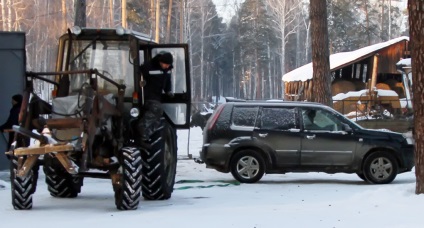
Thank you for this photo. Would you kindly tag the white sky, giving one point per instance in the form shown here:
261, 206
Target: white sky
278, 200
225, 8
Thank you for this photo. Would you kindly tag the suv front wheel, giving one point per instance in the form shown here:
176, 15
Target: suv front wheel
380, 168
247, 166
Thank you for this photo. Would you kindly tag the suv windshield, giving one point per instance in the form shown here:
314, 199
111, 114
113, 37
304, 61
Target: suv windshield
108, 57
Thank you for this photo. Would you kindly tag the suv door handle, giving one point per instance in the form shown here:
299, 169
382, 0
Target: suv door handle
263, 135
310, 136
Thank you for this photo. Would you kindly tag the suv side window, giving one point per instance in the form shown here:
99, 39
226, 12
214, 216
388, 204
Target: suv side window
321, 120
244, 116
274, 118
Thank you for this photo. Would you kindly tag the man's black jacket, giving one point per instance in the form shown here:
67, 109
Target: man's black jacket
156, 80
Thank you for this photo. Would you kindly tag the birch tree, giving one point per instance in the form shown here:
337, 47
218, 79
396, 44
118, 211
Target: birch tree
303, 30
3, 14
198, 33
284, 14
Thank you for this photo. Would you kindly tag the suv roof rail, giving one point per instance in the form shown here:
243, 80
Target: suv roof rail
279, 102
232, 99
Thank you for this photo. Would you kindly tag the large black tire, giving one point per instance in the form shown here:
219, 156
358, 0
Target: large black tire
160, 163
22, 188
380, 168
59, 182
247, 166
127, 192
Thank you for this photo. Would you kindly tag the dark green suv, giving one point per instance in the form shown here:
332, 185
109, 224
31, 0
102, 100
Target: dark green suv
249, 139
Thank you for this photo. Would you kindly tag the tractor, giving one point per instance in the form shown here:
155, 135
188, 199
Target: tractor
87, 125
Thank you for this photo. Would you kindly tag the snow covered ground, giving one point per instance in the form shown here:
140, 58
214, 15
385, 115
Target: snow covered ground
206, 198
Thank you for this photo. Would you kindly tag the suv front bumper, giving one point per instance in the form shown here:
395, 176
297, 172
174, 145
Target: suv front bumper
408, 157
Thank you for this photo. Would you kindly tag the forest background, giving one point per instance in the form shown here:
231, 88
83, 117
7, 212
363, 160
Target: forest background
243, 55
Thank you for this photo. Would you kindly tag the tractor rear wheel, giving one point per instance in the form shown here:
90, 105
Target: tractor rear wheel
160, 163
59, 182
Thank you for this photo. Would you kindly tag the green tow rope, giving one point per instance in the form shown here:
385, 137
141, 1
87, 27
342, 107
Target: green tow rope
225, 184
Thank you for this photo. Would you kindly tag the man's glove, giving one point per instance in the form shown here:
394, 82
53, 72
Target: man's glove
170, 94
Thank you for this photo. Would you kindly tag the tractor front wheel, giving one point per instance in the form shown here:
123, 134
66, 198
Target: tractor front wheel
22, 187
127, 190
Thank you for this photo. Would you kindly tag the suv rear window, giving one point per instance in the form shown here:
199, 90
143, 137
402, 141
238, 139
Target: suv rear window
244, 116
278, 119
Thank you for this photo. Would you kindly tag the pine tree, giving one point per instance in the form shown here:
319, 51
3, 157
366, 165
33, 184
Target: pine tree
320, 53
416, 26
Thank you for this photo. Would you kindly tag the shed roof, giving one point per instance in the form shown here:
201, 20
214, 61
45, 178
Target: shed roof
340, 60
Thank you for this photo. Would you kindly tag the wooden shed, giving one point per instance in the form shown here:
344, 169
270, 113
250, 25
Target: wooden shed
367, 67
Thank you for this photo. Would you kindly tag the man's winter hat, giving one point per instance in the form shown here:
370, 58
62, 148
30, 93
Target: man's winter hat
17, 98
166, 57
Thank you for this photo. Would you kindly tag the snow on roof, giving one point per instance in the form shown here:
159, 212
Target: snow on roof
304, 72
342, 96
380, 93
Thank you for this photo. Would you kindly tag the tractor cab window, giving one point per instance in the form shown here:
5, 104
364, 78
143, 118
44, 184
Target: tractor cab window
110, 58
178, 76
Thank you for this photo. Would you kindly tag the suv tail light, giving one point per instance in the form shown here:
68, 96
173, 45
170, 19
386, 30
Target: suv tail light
212, 121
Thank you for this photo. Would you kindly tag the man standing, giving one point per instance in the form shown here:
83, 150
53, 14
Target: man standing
13, 118
155, 80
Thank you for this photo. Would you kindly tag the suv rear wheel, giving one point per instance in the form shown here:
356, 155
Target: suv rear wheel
380, 168
247, 166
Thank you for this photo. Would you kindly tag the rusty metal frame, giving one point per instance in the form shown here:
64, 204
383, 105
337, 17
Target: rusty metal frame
42, 150
28, 156
38, 75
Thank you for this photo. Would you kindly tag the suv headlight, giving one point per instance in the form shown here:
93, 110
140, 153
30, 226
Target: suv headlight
134, 112
410, 141
409, 138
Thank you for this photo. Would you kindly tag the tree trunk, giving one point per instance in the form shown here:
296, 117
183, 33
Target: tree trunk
157, 24
368, 21
64, 17
202, 49
152, 16
168, 23
270, 87
320, 54
80, 13
416, 29
111, 13
181, 21
390, 20
3, 14
124, 13
382, 21
9, 15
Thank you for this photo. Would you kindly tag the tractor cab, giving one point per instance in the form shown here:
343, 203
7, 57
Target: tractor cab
117, 54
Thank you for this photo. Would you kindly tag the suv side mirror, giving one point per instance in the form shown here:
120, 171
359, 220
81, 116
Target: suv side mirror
346, 128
